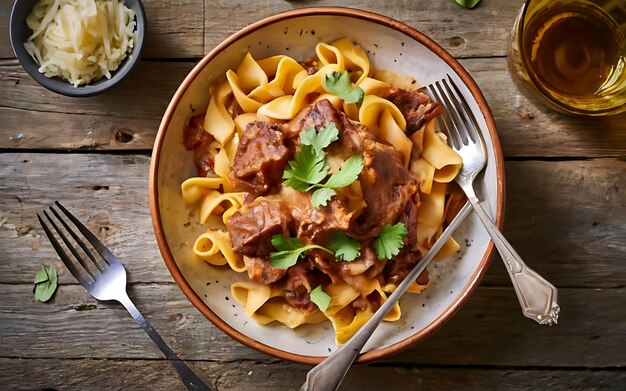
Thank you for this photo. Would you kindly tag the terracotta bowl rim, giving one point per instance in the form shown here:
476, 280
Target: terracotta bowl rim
154, 171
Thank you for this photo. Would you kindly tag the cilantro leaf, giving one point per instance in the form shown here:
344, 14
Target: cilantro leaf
320, 140
306, 170
283, 243
345, 248
320, 298
289, 252
321, 196
339, 84
388, 244
347, 173
45, 283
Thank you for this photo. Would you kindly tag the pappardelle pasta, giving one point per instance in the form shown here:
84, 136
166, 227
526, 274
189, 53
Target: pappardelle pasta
324, 181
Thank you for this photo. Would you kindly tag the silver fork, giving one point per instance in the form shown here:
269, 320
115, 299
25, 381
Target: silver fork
537, 296
105, 279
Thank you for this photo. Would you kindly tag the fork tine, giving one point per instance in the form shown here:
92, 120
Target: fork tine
79, 242
452, 110
467, 112
62, 254
106, 254
448, 126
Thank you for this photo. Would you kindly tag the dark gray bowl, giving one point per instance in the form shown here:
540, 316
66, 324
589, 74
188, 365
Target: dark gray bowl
19, 33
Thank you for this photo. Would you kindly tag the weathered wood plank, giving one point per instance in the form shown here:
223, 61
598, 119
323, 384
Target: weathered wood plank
453, 27
136, 108
171, 34
5, 43
564, 218
489, 330
29, 374
175, 29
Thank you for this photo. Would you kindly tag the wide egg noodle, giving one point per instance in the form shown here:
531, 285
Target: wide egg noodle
265, 304
214, 247
217, 121
437, 152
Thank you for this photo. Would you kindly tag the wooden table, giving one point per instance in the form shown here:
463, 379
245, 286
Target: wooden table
566, 215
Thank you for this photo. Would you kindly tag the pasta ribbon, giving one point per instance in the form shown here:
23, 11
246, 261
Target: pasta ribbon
386, 121
287, 106
214, 247
438, 153
217, 120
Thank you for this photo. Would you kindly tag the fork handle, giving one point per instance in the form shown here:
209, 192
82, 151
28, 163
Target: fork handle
191, 380
537, 296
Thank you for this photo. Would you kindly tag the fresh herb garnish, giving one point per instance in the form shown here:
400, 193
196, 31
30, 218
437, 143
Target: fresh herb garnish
339, 84
45, 283
345, 248
344, 176
320, 298
388, 244
289, 250
320, 140
307, 170
467, 3
310, 167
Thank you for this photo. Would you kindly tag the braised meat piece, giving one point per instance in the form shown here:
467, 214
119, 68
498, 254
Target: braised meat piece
197, 139
261, 271
260, 158
408, 217
315, 225
320, 114
416, 107
251, 228
388, 188
397, 268
301, 279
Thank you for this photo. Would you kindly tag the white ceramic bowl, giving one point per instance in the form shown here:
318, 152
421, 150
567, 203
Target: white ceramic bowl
391, 45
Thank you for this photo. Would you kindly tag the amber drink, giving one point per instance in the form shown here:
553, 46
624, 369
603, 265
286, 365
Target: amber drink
572, 54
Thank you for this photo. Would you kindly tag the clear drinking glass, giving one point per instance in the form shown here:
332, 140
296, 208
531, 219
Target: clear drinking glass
571, 55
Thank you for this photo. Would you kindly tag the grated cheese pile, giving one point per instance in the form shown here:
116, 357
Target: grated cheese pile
80, 40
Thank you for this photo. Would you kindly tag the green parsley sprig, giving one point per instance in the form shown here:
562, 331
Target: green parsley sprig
310, 167
289, 251
390, 240
339, 84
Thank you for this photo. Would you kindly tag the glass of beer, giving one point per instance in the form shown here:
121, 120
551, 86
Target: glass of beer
571, 54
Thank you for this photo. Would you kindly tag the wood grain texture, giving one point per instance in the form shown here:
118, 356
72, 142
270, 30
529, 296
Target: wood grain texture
104, 121
29, 374
453, 27
489, 331
564, 218
175, 29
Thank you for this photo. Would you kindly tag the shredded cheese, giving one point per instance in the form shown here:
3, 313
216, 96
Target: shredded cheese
80, 40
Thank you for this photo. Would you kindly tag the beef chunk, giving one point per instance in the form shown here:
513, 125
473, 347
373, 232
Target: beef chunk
408, 217
416, 107
197, 139
251, 228
301, 279
315, 225
397, 268
261, 271
388, 188
260, 158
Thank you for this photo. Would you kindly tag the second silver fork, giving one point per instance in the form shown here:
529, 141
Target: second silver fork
537, 296
104, 277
